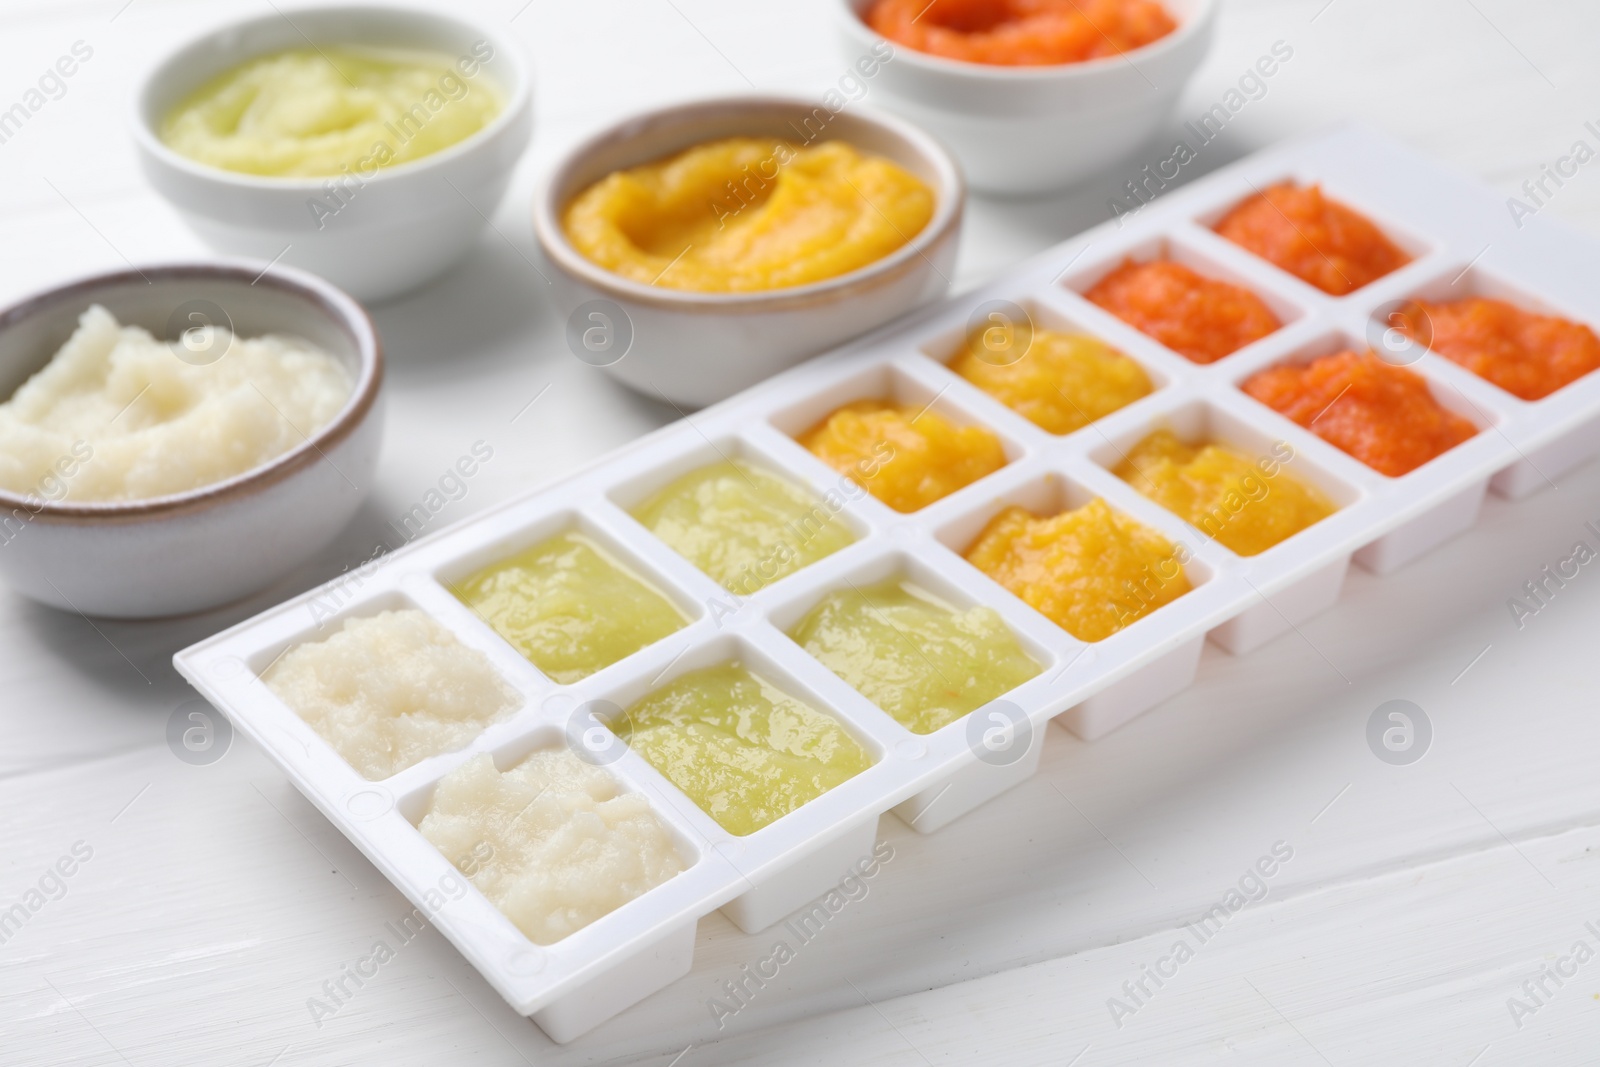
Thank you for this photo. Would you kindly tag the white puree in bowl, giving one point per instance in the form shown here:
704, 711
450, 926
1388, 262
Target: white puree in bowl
117, 415
390, 690
553, 843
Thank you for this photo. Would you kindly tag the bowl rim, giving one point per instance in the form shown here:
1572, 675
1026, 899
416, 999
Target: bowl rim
950, 201
517, 103
342, 309
1076, 70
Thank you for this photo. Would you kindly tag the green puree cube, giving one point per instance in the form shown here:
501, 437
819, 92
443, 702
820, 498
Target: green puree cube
741, 748
569, 607
913, 655
744, 526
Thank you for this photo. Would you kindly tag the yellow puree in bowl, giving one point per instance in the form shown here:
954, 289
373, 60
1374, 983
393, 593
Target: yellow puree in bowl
744, 750
314, 112
746, 214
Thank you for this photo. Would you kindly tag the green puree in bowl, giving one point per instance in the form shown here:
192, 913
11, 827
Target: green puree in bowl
333, 110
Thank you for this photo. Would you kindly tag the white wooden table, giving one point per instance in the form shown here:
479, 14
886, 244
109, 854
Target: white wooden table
215, 902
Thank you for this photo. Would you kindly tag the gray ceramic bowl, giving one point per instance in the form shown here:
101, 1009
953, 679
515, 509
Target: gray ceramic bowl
195, 550
1028, 130
695, 348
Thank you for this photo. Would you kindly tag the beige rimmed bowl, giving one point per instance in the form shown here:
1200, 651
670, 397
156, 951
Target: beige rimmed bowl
695, 348
1025, 130
199, 549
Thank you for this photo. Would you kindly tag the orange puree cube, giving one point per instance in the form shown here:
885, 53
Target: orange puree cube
1061, 382
906, 457
1200, 318
1529, 356
1091, 571
1021, 32
1318, 240
1383, 415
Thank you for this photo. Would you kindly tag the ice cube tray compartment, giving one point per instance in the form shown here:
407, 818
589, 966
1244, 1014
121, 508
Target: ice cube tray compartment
1461, 241
1424, 251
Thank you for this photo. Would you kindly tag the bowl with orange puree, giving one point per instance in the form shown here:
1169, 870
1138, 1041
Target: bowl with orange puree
703, 247
1314, 237
1383, 415
1200, 318
1031, 95
1527, 354
1021, 33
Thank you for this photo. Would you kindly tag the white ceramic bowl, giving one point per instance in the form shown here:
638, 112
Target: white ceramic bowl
375, 237
1023, 130
695, 348
209, 546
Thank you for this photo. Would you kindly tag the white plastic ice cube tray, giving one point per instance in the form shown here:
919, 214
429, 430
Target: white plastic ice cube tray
1463, 242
